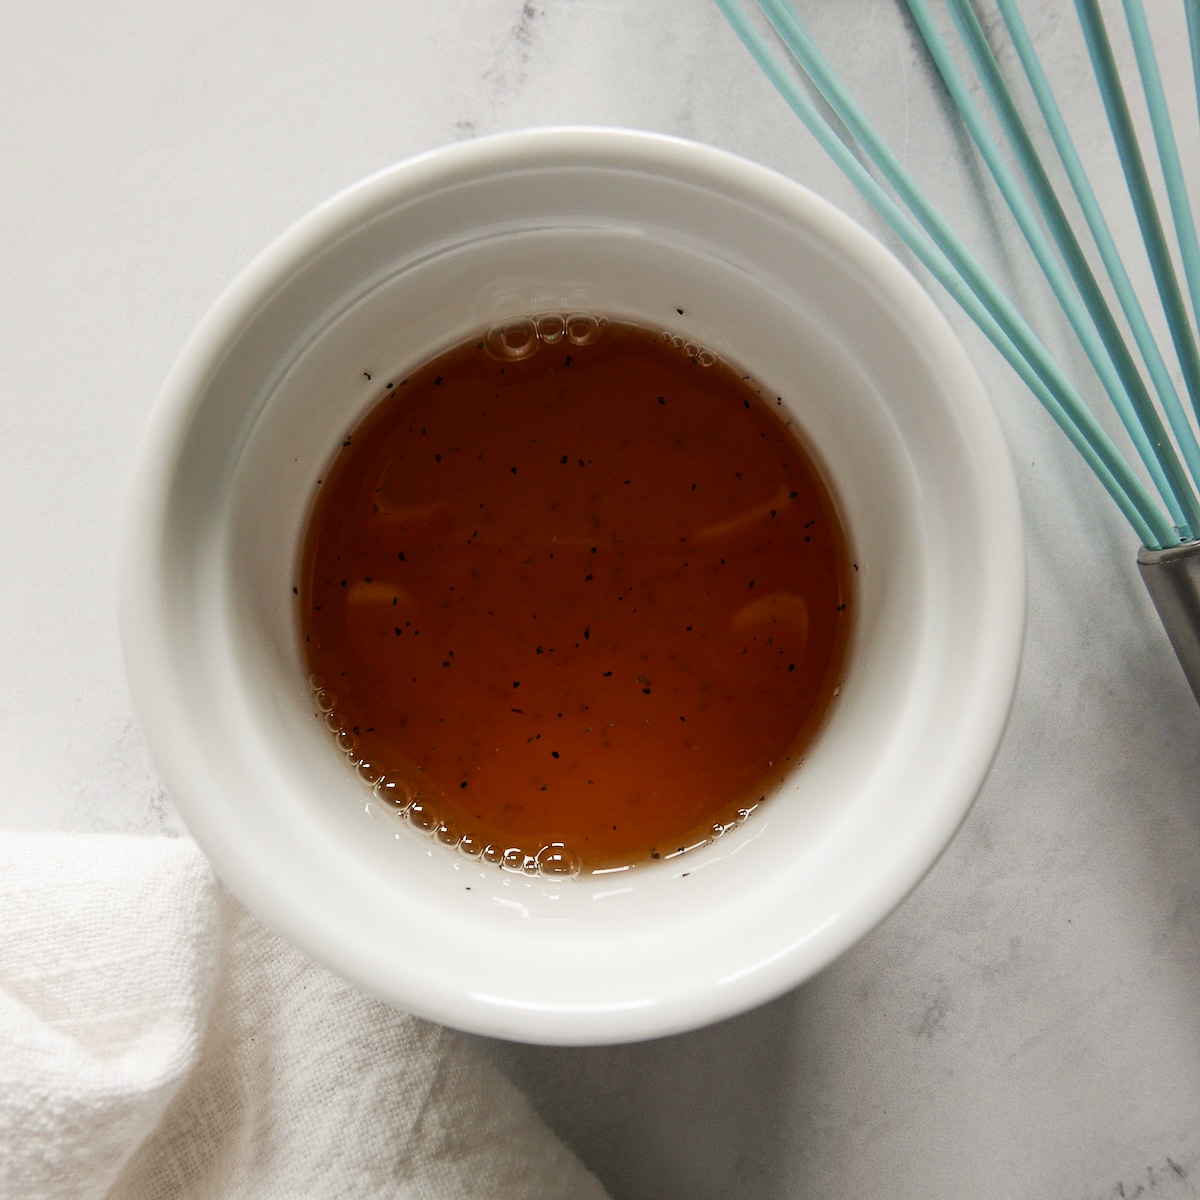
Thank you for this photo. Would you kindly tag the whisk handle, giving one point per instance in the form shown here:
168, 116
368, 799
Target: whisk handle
1172, 577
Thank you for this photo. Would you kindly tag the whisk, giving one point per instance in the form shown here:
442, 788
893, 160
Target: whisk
1162, 432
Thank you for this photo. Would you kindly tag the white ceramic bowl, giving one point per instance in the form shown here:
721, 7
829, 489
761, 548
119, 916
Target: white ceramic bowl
412, 260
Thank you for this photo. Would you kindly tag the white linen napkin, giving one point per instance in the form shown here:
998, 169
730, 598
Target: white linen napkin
157, 1041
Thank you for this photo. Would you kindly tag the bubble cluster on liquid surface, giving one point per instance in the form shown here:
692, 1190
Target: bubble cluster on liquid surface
700, 355
521, 337
406, 803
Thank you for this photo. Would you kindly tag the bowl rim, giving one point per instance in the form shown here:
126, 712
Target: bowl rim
144, 620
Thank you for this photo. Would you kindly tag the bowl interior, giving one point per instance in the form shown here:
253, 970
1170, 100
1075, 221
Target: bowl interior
414, 260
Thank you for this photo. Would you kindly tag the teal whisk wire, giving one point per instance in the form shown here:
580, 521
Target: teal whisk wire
1168, 153
1169, 561
942, 269
1101, 235
1092, 320
794, 35
949, 261
1137, 179
1192, 9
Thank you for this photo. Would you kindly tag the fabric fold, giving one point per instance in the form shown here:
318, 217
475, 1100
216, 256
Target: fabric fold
157, 1041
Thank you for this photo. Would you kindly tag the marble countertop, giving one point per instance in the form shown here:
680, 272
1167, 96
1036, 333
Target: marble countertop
1027, 1024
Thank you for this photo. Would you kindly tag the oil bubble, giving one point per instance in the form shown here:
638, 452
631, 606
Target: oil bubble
394, 792
325, 700
511, 340
347, 743
423, 817
493, 854
447, 833
701, 355
551, 327
316, 682
334, 722
513, 859
582, 329
471, 846
557, 861
368, 772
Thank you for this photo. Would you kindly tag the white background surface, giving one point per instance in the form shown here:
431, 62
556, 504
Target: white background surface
1028, 1023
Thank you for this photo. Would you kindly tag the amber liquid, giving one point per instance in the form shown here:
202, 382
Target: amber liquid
597, 597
